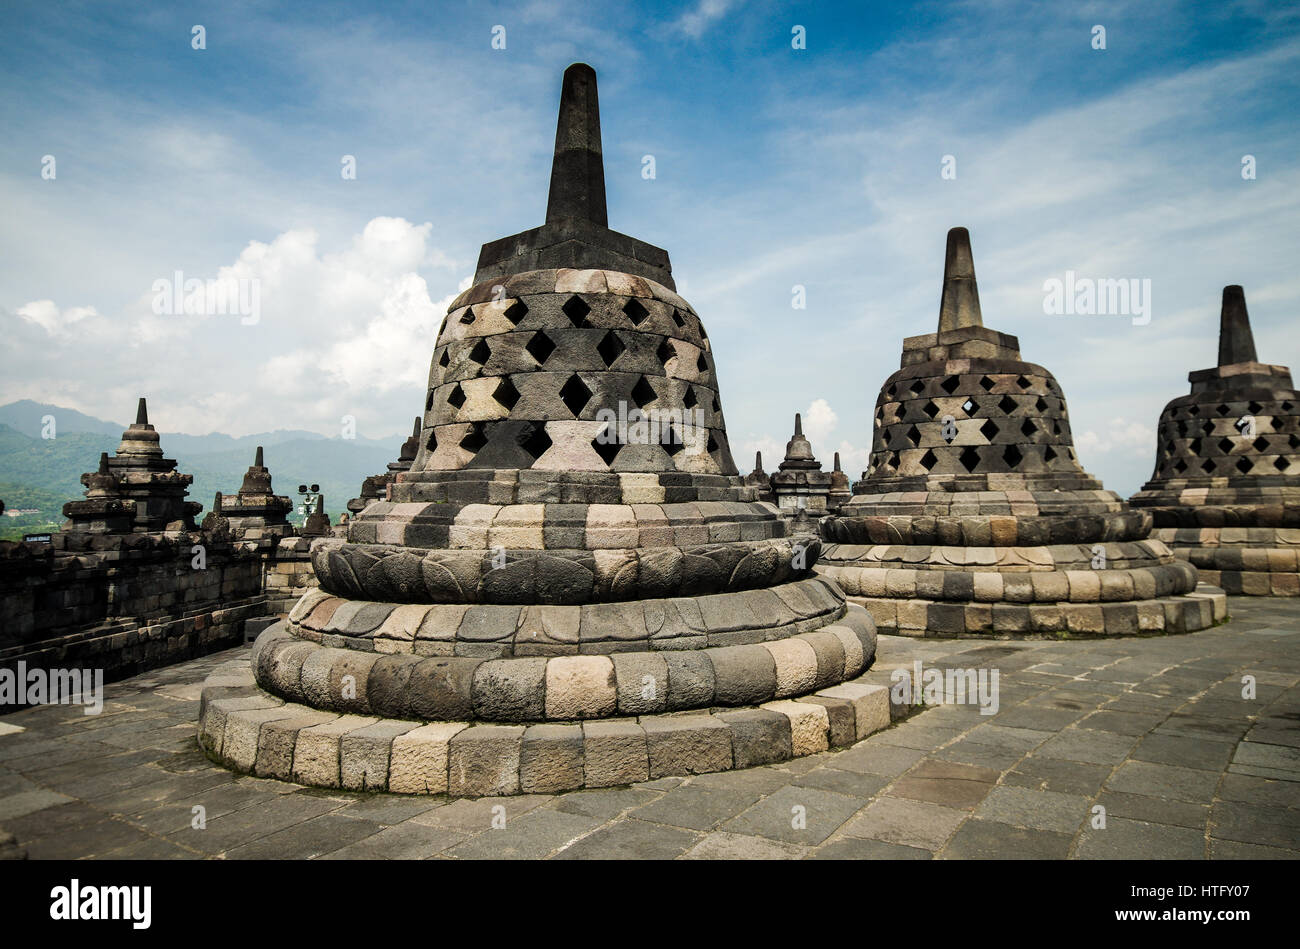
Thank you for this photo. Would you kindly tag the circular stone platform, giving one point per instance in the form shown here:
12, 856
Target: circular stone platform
741, 696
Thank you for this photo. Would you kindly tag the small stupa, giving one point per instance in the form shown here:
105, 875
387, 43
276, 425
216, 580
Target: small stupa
135, 490
799, 484
1225, 493
256, 512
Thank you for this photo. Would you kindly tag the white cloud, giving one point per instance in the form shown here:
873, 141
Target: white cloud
819, 420
1119, 435
695, 22
348, 332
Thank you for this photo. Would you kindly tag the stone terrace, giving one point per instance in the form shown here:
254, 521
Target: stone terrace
1155, 730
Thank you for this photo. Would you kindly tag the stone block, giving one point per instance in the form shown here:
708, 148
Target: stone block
614, 753
580, 687
551, 759
686, 744
484, 760
758, 736
420, 759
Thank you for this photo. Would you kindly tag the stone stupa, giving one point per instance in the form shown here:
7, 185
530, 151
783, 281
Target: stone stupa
1225, 493
135, 490
255, 511
799, 485
760, 479
976, 517
571, 586
840, 491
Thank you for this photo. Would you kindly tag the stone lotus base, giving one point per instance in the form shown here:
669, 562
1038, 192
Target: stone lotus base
1254, 561
255, 732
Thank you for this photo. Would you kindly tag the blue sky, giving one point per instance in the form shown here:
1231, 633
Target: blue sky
775, 167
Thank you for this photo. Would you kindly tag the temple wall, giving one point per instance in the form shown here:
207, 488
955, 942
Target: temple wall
124, 603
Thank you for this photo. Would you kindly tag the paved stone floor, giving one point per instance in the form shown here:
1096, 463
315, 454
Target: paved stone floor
1155, 731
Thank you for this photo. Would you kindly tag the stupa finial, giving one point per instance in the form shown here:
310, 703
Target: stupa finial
837, 461
142, 413
578, 168
1236, 342
959, 306
798, 426
257, 461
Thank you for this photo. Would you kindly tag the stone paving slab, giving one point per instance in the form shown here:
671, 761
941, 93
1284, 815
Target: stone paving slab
1153, 735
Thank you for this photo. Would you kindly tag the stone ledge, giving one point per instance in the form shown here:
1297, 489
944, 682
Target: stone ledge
249, 731
1206, 606
564, 687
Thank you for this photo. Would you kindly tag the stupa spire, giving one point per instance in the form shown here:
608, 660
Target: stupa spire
1236, 342
959, 306
142, 413
578, 168
257, 460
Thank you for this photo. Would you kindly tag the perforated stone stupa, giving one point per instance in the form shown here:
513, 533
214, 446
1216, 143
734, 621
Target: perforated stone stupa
1225, 493
570, 558
976, 517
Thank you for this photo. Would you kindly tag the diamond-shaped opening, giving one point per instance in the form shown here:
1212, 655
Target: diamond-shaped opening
1023, 382
703, 335
1041, 404
444, 359
1293, 441
1260, 444
712, 445
1181, 466
1007, 404
474, 439
893, 388
1012, 456
930, 409
643, 393
635, 311
575, 394
677, 318
1049, 453
1222, 409
506, 393
1244, 465
950, 384
969, 458
431, 443
536, 441
481, 352
917, 387
516, 312
893, 459
1207, 466
716, 406
1182, 429
1281, 464
1286, 406
702, 364
1254, 408
1225, 445
1194, 410
988, 429
468, 316
428, 401
608, 451
672, 441
1208, 427
665, 352
457, 397
1028, 428
689, 399
914, 435
969, 406
928, 460
1056, 428
576, 309
1194, 446
540, 347
987, 384
610, 348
